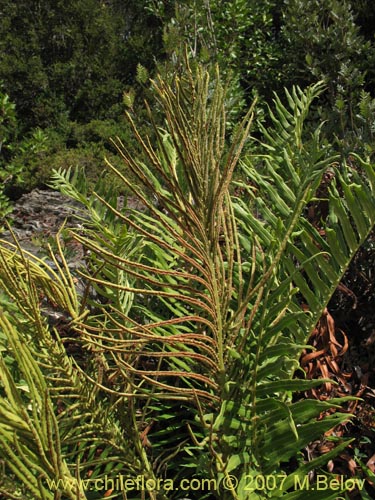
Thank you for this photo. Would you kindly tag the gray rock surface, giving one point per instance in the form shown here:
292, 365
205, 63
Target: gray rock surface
38, 216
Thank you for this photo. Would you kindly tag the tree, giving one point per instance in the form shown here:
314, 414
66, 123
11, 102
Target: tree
322, 41
20, 60
70, 60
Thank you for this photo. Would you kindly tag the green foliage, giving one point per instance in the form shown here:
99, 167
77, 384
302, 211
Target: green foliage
76, 145
321, 41
176, 356
365, 123
289, 43
8, 131
7, 122
70, 60
246, 35
66, 64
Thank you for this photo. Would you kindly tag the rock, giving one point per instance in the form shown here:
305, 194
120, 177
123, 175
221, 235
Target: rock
38, 216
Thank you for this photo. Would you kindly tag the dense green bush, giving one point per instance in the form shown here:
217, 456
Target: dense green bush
70, 66
75, 145
9, 172
321, 41
70, 60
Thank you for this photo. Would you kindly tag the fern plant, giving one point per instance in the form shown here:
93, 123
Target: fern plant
176, 361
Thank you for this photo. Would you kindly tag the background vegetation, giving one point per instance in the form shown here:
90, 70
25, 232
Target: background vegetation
70, 69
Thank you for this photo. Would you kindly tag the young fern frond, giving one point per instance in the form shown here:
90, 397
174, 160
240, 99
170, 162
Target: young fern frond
48, 410
232, 265
29, 431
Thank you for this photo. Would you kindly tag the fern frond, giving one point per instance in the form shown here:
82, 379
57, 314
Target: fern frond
201, 303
